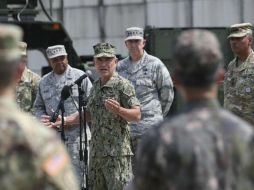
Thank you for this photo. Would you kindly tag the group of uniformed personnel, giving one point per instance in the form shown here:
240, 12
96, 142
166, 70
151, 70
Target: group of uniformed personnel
205, 147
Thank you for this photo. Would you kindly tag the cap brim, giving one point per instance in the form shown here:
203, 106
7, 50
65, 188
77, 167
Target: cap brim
104, 55
23, 54
134, 38
237, 35
57, 55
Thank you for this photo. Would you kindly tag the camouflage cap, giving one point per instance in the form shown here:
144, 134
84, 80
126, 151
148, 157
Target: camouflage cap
10, 36
55, 51
134, 33
22, 48
240, 30
104, 50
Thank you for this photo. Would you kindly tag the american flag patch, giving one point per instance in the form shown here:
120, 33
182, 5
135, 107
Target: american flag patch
54, 164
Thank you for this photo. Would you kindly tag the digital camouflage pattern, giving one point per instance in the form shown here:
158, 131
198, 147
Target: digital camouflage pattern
47, 99
104, 50
109, 129
110, 132
117, 172
204, 148
239, 89
31, 156
154, 90
26, 90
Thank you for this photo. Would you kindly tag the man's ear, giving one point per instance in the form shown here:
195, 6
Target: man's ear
250, 40
20, 69
116, 60
144, 43
220, 75
176, 80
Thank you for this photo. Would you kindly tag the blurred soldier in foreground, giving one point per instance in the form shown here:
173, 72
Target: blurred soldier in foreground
151, 80
49, 95
205, 147
31, 156
28, 83
239, 79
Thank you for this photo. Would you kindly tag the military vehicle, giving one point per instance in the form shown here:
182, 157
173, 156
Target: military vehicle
37, 34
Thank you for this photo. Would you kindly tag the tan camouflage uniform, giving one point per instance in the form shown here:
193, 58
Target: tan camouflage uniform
238, 83
239, 88
27, 89
110, 156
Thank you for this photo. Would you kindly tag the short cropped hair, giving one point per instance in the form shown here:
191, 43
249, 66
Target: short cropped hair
196, 58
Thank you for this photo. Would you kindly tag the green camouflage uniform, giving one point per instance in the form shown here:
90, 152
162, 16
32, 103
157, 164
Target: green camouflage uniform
27, 89
110, 156
31, 156
239, 88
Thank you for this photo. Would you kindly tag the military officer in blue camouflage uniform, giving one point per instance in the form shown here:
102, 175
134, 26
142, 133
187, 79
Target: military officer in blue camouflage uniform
28, 83
151, 80
204, 147
31, 156
239, 79
49, 93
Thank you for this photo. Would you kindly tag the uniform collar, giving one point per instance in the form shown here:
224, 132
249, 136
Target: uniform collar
111, 81
244, 65
202, 103
141, 63
24, 75
68, 75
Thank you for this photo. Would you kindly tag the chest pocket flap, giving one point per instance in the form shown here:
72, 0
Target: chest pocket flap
144, 82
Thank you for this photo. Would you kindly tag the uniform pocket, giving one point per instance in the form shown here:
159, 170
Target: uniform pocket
144, 82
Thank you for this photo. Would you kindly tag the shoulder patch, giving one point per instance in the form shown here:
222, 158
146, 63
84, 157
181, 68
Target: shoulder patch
54, 164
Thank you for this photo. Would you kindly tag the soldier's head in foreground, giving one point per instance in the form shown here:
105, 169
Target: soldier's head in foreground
197, 62
57, 56
10, 36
